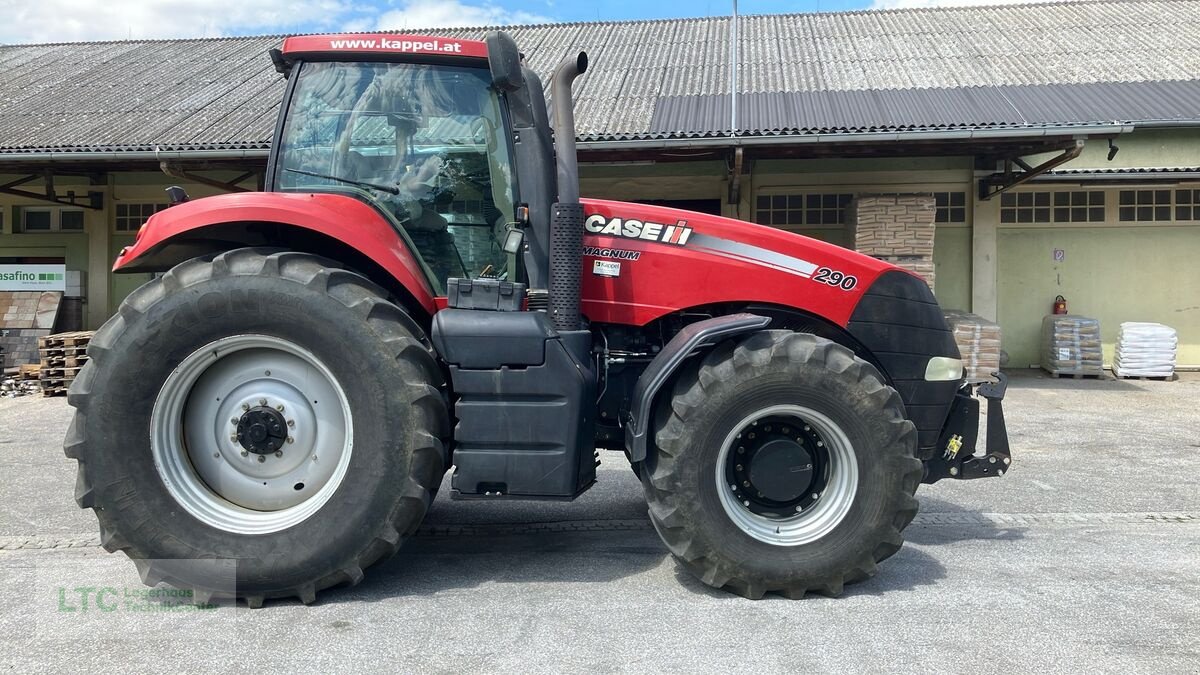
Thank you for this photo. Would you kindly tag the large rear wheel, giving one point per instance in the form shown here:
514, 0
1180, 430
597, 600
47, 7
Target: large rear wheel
263, 407
783, 464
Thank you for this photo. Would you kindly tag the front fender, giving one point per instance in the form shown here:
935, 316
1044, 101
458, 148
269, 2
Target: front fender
339, 217
686, 342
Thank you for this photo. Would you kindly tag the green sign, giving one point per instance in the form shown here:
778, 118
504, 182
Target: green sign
33, 277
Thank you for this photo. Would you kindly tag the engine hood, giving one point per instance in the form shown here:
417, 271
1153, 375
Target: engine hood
642, 262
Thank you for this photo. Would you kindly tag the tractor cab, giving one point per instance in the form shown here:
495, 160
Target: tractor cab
418, 129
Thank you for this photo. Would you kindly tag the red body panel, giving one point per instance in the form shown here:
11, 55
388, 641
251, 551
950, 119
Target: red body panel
720, 260
677, 259
344, 218
382, 43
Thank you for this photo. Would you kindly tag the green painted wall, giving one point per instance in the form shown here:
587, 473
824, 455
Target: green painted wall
952, 266
1113, 274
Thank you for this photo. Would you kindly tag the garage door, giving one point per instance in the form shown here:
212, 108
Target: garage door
1121, 254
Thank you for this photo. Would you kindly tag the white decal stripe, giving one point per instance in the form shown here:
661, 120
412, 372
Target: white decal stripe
747, 252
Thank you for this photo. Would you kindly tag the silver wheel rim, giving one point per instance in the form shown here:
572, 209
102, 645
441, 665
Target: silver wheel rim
830, 506
194, 426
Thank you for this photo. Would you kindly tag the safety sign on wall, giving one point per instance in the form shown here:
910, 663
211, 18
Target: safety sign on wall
33, 278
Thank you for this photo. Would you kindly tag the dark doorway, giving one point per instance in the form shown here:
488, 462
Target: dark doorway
709, 206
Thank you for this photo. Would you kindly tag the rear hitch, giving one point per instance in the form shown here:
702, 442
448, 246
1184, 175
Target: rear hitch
959, 436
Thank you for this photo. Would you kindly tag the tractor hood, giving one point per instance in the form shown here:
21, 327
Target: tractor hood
641, 262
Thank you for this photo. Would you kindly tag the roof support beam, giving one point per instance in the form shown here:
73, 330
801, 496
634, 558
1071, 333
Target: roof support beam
1003, 182
94, 200
176, 171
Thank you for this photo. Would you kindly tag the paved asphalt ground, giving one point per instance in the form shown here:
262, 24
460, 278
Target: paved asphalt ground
1085, 558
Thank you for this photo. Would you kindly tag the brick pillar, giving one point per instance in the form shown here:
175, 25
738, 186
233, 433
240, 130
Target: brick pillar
896, 228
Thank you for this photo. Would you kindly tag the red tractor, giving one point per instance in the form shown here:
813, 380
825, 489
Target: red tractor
421, 287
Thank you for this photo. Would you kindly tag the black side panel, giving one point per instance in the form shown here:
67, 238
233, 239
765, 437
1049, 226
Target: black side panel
525, 405
479, 339
537, 180
901, 323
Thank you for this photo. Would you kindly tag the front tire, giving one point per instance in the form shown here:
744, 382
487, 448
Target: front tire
263, 407
783, 464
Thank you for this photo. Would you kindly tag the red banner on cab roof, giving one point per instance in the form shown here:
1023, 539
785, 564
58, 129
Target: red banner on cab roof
384, 43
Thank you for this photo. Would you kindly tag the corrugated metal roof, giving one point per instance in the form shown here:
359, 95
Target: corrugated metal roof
948, 68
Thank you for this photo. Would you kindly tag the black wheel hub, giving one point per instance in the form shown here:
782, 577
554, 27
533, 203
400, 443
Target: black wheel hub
778, 467
262, 430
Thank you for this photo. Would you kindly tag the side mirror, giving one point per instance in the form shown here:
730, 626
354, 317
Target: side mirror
504, 60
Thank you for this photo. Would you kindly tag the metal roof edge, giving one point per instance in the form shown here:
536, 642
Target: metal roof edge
860, 137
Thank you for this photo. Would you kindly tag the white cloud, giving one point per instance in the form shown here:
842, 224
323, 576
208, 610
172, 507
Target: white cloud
908, 4
448, 13
31, 21
74, 20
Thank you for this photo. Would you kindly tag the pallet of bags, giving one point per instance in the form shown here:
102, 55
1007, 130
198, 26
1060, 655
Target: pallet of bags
1145, 350
978, 342
1071, 346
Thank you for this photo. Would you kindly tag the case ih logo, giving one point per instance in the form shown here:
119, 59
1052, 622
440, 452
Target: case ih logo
676, 234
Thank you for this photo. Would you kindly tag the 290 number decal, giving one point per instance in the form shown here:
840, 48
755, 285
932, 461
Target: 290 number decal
845, 282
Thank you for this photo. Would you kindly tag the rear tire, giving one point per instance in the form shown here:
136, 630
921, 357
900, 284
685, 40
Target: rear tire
783, 464
160, 460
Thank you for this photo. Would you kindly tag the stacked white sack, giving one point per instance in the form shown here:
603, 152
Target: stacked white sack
1145, 350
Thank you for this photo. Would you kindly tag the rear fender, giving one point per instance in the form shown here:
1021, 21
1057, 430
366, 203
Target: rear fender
347, 226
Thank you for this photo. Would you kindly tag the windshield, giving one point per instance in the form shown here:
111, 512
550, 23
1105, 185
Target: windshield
422, 142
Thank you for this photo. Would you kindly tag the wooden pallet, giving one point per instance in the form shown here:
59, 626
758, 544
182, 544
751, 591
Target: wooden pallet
1075, 376
79, 350
56, 373
78, 338
29, 371
1156, 378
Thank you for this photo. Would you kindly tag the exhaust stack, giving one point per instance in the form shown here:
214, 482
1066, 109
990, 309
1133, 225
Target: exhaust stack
566, 225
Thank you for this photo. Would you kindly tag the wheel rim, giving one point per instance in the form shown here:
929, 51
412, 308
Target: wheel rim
786, 475
295, 431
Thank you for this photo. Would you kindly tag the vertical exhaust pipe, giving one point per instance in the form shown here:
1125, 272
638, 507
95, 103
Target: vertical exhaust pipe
566, 225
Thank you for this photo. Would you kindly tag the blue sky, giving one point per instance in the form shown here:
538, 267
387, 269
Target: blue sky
35, 21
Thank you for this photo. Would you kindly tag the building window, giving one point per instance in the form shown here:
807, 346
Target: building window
802, 210
1145, 205
1025, 207
49, 219
1074, 206
951, 207
130, 217
1079, 206
1187, 205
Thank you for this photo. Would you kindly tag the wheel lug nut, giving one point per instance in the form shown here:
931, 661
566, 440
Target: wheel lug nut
815, 496
262, 401
745, 502
234, 421
767, 428
807, 428
820, 444
217, 455
741, 451
738, 467
745, 483
751, 434
245, 406
278, 453
291, 423
234, 438
245, 454
291, 440
262, 458
799, 509
279, 407
786, 430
